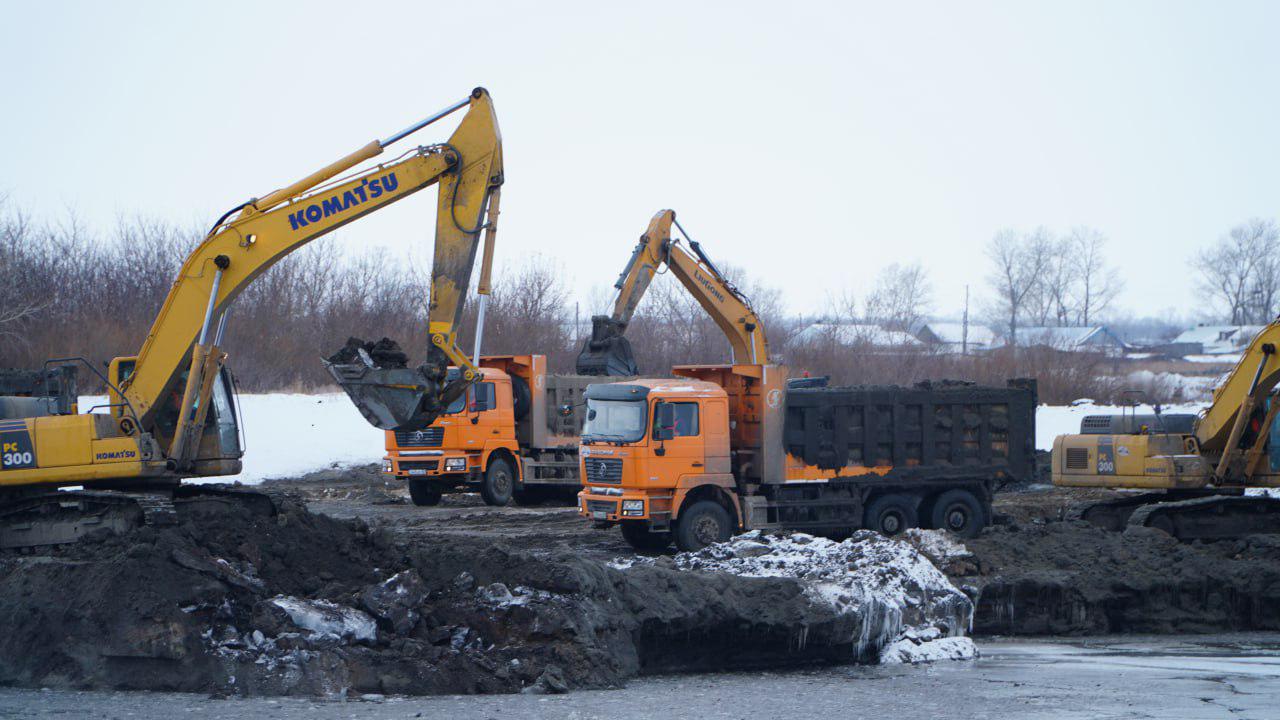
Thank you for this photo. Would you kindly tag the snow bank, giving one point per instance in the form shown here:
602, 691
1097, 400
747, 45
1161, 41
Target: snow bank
901, 598
292, 434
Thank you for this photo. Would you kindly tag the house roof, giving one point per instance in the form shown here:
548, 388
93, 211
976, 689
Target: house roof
1066, 337
954, 333
856, 334
1220, 339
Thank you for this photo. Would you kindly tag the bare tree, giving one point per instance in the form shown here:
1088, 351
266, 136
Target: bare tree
1239, 272
1018, 261
901, 298
1098, 284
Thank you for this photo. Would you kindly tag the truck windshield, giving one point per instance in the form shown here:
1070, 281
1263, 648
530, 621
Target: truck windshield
619, 420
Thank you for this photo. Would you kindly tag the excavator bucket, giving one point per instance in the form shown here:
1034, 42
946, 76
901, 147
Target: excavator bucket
388, 393
607, 352
389, 398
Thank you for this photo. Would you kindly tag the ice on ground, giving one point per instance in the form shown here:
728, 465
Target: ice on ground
911, 651
893, 587
322, 617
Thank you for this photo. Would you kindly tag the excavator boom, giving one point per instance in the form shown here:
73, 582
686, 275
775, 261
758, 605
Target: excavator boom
608, 352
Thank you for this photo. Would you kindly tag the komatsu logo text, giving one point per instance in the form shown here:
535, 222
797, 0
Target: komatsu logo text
117, 455
368, 189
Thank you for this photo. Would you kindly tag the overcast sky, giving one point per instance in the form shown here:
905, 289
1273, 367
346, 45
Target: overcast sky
809, 143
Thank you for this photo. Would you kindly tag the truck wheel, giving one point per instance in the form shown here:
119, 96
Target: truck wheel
639, 536
960, 512
702, 524
499, 480
422, 492
891, 514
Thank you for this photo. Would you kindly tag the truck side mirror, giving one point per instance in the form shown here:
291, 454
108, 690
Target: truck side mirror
664, 423
566, 410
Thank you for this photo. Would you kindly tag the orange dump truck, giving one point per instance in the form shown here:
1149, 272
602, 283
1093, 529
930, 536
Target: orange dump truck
513, 435
723, 449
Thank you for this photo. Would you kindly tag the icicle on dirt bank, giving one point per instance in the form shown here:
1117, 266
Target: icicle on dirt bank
233, 600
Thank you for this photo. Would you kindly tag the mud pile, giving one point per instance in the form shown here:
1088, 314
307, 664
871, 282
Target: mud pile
1071, 578
271, 599
384, 353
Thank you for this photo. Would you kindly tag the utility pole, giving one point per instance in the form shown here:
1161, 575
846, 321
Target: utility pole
964, 328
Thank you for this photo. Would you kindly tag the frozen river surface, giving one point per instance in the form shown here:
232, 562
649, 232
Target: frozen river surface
1221, 676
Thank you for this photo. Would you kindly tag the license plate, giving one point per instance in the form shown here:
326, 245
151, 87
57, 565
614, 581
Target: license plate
418, 471
599, 515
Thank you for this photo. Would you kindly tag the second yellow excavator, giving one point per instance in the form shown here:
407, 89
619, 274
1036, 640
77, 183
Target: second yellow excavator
1200, 465
609, 353
170, 413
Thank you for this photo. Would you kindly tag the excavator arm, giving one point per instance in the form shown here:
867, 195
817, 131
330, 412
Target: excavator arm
608, 352
254, 236
1223, 429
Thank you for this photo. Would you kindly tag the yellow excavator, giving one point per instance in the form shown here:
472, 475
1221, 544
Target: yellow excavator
1199, 465
608, 353
170, 413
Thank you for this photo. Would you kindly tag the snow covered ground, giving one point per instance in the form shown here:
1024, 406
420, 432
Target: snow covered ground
289, 434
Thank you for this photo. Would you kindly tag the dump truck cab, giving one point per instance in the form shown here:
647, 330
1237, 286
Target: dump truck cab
459, 446
654, 449
513, 435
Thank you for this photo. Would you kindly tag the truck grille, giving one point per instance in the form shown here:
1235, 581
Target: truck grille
408, 465
603, 470
430, 437
605, 506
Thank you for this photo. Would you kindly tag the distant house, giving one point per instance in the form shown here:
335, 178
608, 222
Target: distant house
1097, 339
1219, 339
851, 334
952, 337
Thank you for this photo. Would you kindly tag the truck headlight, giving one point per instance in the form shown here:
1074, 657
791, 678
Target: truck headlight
455, 464
387, 467
633, 508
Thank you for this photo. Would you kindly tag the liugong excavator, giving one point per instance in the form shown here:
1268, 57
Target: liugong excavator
171, 414
1201, 465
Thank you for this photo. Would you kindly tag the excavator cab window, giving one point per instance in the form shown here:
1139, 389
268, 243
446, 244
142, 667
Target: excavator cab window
222, 420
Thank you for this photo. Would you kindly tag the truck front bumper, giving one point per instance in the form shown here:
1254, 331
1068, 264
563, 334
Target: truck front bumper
613, 504
410, 466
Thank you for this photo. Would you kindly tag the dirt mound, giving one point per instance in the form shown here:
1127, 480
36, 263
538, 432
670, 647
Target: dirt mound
272, 599
384, 353
1055, 578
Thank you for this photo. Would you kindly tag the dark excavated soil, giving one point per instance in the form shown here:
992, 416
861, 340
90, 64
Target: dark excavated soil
1040, 574
465, 598
204, 605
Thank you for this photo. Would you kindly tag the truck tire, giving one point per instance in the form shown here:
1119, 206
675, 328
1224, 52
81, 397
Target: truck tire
891, 514
960, 512
423, 492
639, 536
498, 483
702, 524
521, 398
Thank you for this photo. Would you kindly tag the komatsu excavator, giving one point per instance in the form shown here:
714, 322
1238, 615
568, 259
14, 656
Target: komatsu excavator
1201, 465
608, 352
170, 413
